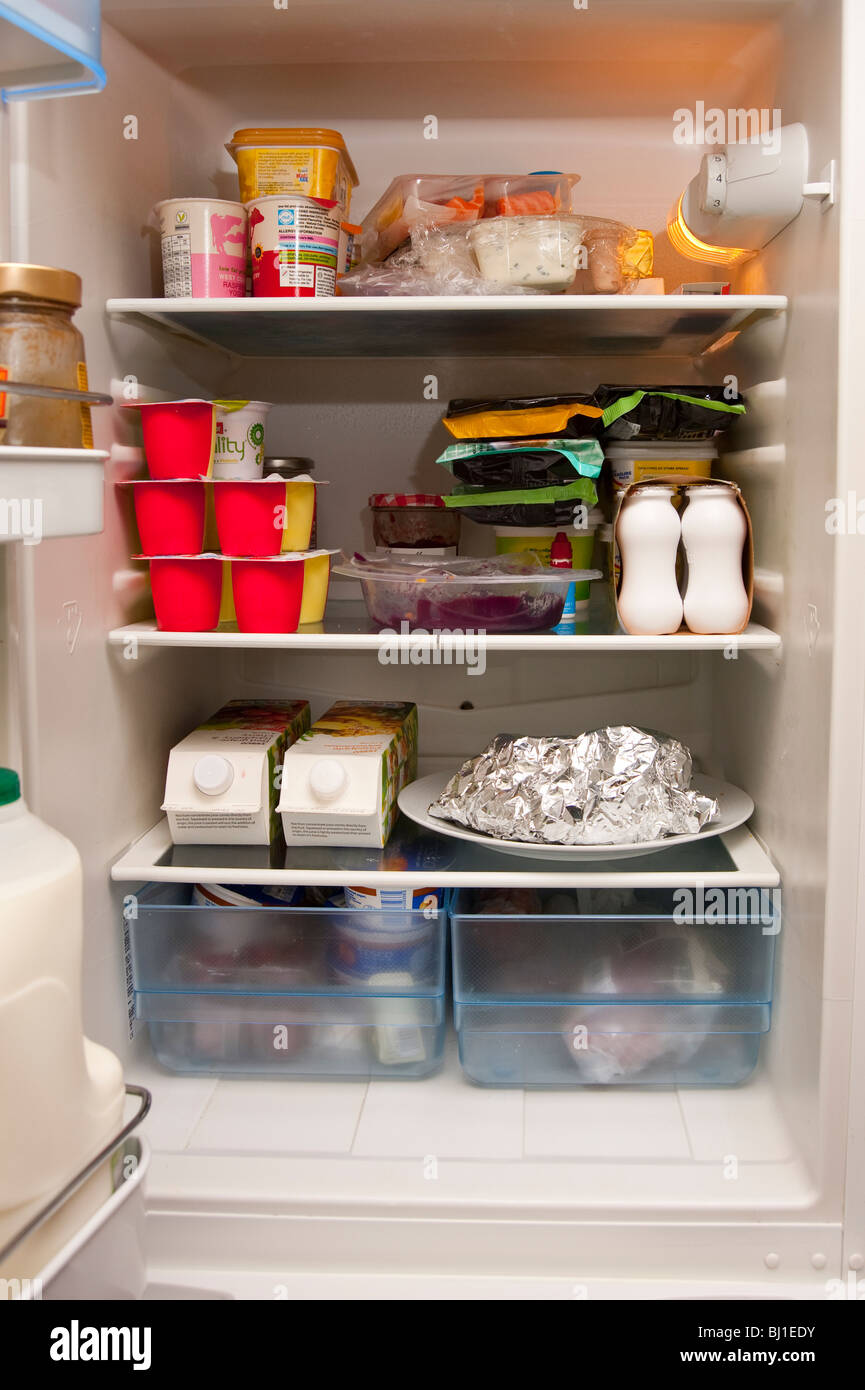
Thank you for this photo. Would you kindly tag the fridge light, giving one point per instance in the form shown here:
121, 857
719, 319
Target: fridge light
744, 195
687, 244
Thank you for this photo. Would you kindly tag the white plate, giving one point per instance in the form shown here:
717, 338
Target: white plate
735, 807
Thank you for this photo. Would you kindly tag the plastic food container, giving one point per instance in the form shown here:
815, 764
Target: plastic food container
538, 252
203, 248
514, 540
553, 253
269, 999
294, 246
465, 595
170, 516
610, 987
187, 591
263, 516
311, 161
178, 437
238, 450
632, 463
440, 200
414, 521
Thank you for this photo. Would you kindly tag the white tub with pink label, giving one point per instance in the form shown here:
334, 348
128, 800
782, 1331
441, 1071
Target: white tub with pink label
294, 245
203, 248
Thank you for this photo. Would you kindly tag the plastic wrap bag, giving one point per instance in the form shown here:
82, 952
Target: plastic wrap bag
438, 261
540, 506
572, 416
667, 412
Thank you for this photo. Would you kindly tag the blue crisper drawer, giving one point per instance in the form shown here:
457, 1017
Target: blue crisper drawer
288, 991
612, 987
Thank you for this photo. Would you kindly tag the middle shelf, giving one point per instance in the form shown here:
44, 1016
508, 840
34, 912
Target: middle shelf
347, 627
732, 860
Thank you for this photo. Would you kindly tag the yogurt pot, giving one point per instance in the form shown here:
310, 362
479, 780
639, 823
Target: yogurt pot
238, 446
203, 248
294, 245
389, 899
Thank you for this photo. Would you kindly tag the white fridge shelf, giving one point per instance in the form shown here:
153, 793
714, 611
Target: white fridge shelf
722, 861
347, 628
450, 326
50, 492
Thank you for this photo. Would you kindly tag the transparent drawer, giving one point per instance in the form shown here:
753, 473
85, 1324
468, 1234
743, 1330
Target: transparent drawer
586, 945
291, 991
559, 1045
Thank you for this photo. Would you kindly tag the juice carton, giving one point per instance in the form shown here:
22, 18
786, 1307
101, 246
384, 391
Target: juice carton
223, 778
341, 780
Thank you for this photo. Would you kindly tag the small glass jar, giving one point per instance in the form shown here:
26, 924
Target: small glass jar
40, 346
413, 521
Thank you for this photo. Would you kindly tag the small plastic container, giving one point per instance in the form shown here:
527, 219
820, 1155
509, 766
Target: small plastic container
553, 253
268, 592
187, 591
178, 437
263, 516
632, 463
170, 516
535, 252
278, 160
413, 521
462, 595
439, 200
239, 442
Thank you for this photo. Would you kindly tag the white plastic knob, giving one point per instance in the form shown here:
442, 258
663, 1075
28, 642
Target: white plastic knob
327, 779
213, 774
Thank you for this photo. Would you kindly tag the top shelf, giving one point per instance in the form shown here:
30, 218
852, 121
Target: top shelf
670, 325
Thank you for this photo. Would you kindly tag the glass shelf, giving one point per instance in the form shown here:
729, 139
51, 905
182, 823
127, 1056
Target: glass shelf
732, 860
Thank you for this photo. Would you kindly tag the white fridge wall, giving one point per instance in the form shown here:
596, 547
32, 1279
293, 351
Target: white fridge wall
98, 767
99, 725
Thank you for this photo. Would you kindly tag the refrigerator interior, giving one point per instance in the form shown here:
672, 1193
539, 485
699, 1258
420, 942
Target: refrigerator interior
739, 1184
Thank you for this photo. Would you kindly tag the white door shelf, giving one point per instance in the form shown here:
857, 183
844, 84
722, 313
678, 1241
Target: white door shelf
347, 628
721, 861
450, 326
47, 493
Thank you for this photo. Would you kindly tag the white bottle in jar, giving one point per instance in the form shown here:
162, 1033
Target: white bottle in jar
714, 530
648, 533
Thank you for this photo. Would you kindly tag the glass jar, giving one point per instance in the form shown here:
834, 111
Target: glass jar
413, 521
40, 345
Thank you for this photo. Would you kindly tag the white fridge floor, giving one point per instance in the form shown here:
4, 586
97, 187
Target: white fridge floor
286, 1189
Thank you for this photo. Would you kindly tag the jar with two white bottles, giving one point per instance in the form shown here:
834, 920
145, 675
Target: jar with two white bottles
648, 532
714, 531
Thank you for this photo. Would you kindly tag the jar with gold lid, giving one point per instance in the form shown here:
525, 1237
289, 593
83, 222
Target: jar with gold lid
40, 346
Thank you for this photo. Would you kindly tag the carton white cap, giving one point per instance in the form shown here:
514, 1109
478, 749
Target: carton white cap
327, 779
212, 774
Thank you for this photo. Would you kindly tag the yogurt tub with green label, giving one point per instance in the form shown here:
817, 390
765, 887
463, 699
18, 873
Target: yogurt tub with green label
512, 539
238, 449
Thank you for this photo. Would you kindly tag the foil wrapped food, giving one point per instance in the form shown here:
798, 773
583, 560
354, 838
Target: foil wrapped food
613, 786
